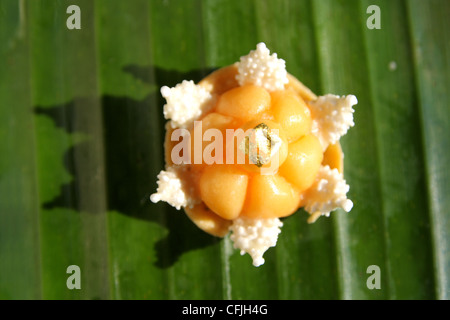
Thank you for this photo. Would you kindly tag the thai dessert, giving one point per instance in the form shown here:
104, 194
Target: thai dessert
250, 144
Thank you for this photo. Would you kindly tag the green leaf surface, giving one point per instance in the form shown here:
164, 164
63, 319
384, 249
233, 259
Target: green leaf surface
81, 143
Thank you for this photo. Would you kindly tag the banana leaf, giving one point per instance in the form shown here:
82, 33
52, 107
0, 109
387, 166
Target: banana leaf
81, 143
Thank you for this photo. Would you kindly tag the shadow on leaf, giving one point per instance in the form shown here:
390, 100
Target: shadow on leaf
132, 129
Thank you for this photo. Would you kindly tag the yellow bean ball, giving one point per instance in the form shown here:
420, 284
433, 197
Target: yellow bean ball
270, 196
303, 162
291, 112
223, 189
245, 103
214, 121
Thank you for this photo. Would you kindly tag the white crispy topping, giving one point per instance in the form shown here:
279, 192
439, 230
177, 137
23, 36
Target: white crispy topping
332, 117
185, 103
255, 236
328, 193
170, 189
262, 69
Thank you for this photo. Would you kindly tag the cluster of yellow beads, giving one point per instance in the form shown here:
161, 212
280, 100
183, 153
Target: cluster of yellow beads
240, 190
